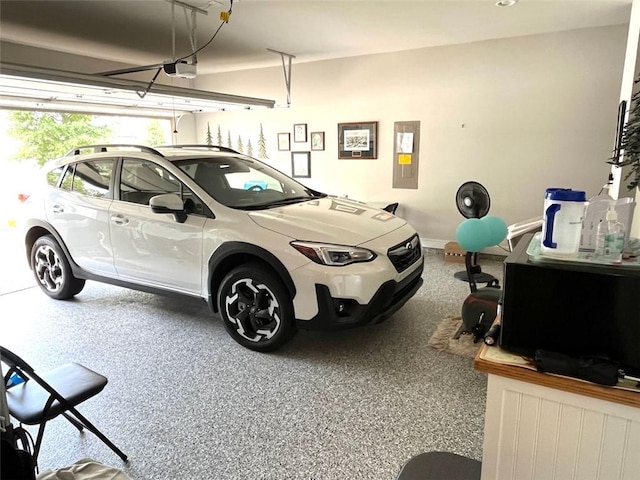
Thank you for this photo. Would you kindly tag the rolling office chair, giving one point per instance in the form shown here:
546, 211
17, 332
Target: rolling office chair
35, 399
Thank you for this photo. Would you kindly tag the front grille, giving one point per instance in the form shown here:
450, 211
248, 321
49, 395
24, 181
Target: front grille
405, 254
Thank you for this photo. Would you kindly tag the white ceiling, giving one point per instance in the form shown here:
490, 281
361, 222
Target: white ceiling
139, 32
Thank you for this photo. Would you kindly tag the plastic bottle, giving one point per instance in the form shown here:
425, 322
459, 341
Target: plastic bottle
605, 192
595, 214
610, 238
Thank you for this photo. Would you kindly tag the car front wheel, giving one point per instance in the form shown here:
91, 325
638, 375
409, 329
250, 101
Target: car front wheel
52, 270
256, 308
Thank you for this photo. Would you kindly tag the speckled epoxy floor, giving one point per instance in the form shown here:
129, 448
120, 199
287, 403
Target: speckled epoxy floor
184, 401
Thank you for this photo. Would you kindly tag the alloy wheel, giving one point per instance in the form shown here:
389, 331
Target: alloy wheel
254, 310
48, 268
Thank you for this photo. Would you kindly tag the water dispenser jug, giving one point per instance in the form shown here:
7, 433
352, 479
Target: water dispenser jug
562, 221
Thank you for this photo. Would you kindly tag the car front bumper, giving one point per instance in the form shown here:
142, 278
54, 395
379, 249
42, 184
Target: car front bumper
336, 313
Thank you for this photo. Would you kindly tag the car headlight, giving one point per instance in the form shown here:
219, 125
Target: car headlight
333, 255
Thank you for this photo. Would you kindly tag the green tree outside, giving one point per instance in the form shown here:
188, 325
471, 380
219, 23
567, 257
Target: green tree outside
155, 134
48, 135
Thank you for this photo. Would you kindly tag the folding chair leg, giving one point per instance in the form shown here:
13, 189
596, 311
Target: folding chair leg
75, 422
92, 428
38, 444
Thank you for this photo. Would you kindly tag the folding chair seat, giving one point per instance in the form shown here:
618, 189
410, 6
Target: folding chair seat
40, 398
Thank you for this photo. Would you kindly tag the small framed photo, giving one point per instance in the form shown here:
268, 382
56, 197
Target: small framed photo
300, 132
358, 140
317, 140
301, 164
284, 142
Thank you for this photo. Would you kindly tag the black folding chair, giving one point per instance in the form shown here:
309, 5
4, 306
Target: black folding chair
35, 399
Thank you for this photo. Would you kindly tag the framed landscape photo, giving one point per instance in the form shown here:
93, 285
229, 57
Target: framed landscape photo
300, 132
358, 140
317, 140
284, 141
301, 164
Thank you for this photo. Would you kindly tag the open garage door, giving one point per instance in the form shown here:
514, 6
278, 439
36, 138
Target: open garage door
25, 87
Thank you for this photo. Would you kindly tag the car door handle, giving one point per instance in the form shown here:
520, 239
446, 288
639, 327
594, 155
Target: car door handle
57, 209
119, 219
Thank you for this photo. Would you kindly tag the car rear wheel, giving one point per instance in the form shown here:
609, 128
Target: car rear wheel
52, 270
256, 308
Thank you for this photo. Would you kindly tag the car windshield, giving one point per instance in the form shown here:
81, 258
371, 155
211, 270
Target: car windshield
244, 183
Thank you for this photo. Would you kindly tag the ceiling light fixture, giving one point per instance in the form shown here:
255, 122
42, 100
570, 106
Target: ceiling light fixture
506, 3
35, 88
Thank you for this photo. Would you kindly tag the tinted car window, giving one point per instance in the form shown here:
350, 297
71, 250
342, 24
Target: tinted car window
140, 180
93, 177
67, 180
54, 175
243, 182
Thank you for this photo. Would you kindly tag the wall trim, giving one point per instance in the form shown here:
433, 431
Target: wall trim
439, 244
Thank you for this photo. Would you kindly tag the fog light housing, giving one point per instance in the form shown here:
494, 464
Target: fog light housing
344, 307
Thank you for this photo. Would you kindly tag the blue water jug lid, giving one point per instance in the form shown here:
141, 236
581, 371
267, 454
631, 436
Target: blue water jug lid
565, 195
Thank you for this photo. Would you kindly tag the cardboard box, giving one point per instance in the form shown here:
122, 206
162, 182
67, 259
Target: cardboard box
454, 253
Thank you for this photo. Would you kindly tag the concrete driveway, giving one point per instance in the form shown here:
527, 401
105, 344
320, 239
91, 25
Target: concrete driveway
18, 275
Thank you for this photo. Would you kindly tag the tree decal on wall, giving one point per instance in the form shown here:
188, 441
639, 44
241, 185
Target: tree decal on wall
249, 148
219, 136
262, 145
209, 138
240, 144
229, 139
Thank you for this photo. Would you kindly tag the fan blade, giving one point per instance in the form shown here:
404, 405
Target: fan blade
472, 200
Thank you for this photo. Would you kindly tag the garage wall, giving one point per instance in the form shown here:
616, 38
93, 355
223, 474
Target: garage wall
517, 115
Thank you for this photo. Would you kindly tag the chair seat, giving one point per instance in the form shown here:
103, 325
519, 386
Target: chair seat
440, 466
73, 381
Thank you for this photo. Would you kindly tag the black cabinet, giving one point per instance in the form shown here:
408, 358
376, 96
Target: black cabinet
574, 308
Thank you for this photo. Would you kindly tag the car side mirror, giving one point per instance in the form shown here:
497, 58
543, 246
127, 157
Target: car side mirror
169, 203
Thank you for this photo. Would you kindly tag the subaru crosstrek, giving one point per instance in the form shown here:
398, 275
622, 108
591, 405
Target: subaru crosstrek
268, 254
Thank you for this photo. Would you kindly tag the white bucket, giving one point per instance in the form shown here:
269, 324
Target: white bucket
562, 221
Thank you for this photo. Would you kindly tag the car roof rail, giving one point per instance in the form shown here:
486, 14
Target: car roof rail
204, 146
107, 146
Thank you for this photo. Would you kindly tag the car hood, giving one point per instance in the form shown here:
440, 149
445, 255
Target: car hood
330, 220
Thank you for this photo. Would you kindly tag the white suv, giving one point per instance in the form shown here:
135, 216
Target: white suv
268, 254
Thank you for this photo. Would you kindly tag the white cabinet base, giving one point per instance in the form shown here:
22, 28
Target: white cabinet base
534, 432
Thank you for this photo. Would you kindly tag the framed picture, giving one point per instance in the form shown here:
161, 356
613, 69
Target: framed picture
300, 132
301, 164
284, 141
358, 140
317, 140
